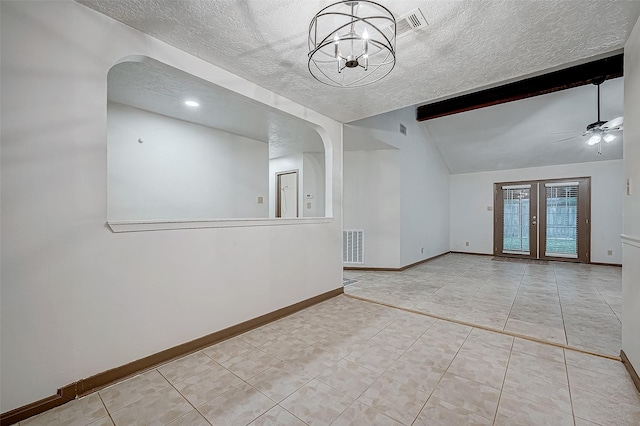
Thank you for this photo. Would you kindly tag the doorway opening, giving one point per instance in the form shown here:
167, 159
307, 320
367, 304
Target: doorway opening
543, 219
287, 194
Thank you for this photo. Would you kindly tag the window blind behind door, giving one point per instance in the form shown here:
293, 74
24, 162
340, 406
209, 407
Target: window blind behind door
562, 219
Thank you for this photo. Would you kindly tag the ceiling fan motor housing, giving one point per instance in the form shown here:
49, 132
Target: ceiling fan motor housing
595, 125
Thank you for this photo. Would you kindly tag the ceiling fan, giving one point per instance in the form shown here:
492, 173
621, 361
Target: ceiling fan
602, 130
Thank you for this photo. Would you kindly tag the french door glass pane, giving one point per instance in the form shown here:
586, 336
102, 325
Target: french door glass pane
562, 220
516, 205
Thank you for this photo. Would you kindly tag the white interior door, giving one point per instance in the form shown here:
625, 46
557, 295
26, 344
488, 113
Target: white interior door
287, 193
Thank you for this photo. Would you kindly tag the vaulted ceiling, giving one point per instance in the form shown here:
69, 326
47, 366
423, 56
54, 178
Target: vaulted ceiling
466, 46
539, 131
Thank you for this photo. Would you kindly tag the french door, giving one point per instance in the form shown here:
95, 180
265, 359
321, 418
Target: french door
543, 219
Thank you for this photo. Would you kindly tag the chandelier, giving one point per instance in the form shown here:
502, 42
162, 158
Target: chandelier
352, 43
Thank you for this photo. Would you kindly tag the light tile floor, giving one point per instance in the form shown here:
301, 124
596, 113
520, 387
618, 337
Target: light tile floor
351, 362
568, 303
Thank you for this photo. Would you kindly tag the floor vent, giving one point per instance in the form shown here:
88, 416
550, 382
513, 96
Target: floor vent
348, 281
353, 246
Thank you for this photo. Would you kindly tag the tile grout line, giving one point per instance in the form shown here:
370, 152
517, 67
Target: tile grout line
524, 270
141, 398
564, 326
312, 379
233, 387
105, 408
440, 380
244, 381
566, 368
184, 397
504, 379
278, 405
607, 303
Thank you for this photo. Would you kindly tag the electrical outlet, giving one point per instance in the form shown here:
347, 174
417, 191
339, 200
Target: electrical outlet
422, 250
609, 252
466, 243
260, 200
308, 205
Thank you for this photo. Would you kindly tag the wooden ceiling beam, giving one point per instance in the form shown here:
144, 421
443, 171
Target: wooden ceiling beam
567, 78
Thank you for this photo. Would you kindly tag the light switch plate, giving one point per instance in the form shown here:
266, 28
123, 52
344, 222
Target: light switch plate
628, 186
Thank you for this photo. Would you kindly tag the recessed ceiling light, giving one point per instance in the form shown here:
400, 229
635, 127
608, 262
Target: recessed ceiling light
191, 103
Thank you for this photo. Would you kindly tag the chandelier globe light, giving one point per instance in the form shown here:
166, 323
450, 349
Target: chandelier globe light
352, 43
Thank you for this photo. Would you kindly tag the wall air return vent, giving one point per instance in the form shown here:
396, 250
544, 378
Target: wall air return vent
407, 23
353, 246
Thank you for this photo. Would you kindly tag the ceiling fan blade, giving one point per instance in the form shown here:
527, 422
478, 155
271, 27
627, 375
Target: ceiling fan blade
611, 124
566, 139
560, 134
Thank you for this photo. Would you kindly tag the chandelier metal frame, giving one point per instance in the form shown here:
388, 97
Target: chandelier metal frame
357, 44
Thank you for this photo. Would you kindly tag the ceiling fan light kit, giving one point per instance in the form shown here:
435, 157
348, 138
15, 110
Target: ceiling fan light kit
594, 139
352, 43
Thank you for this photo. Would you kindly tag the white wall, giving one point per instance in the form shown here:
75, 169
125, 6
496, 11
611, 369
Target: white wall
182, 170
372, 203
472, 193
77, 299
422, 192
631, 246
313, 183
424, 200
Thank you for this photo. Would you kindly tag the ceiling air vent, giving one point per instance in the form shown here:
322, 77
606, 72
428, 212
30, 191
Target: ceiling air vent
407, 23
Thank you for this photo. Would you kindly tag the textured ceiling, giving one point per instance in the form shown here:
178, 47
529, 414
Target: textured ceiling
467, 45
528, 133
159, 88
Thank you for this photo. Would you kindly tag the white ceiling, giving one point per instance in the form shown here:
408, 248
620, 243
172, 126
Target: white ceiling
467, 45
159, 88
525, 133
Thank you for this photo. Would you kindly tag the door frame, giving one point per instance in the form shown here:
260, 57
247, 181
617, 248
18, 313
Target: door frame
498, 218
583, 223
537, 231
278, 175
